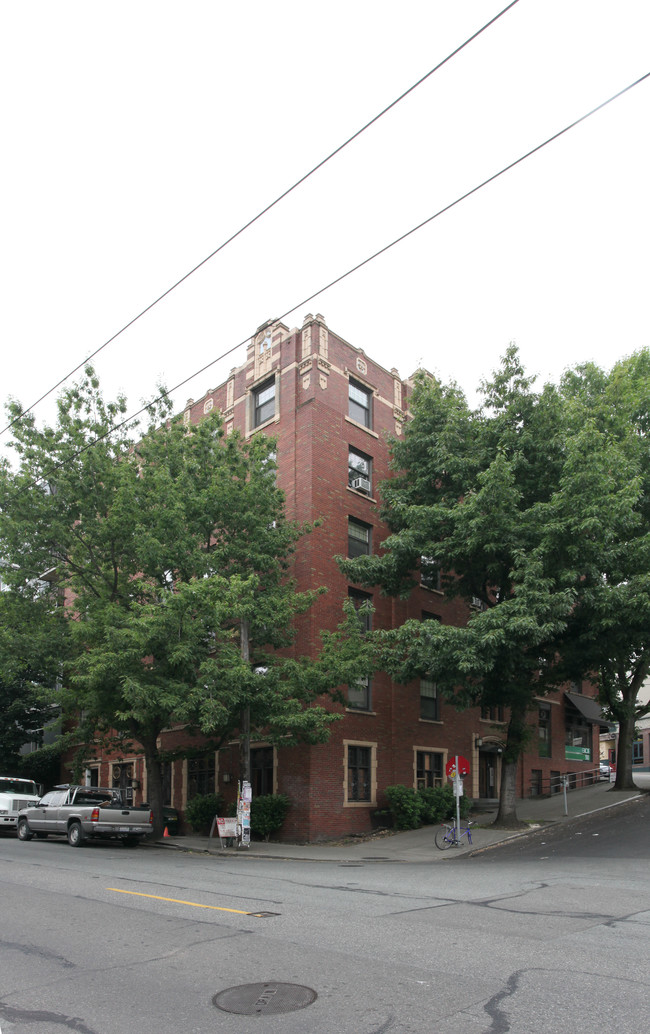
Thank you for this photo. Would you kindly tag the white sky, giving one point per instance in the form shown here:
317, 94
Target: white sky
137, 136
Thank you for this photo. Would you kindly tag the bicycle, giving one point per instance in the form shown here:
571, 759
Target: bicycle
447, 836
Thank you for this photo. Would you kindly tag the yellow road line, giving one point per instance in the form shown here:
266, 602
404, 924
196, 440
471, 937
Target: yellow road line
177, 901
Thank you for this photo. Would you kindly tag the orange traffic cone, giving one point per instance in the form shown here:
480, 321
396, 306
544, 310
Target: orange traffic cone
166, 833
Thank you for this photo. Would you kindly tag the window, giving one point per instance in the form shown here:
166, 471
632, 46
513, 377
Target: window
536, 782
359, 694
430, 574
577, 737
264, 403
200, 775
365, 614
359, 404
544, 730
359, 773
492, 714
262, 771
358, 538
359, 691
637, 752
359, 471
429, 704
428, 769
166, 773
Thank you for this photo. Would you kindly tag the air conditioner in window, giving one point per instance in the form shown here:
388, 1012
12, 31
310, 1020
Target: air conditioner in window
361, 484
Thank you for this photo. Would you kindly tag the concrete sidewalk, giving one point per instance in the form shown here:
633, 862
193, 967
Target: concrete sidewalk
417, 845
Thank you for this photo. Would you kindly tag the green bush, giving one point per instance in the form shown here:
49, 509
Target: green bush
406, 807
201, 810
439, 804
268, 812
435, 804
427, 807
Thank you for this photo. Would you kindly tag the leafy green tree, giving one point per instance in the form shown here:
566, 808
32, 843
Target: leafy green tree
31, 642
167, 546
609, 630
471, 493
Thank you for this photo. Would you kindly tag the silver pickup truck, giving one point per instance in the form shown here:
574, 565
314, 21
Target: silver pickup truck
82, 813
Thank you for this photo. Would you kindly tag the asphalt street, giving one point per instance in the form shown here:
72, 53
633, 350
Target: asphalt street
538, 934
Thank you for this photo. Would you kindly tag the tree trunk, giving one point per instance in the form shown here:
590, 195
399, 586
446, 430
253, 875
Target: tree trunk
517, 738
507, 814
245, 723
154, 787
624, 779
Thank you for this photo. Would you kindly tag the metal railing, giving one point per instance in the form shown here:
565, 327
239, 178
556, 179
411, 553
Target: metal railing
559, 781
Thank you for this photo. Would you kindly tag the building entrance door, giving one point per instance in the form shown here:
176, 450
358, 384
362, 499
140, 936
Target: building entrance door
487, 774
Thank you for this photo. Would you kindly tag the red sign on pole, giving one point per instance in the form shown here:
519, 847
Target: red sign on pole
463, 767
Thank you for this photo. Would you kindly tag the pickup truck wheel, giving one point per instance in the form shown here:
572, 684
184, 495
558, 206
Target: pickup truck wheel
23, 831
75, 834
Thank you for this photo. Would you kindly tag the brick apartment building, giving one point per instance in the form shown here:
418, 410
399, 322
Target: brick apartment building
330, 408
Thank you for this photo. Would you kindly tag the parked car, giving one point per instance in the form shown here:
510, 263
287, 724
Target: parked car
82, 813
605, 770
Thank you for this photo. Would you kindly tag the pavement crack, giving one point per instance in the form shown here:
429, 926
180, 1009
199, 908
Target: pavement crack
32, 1016
41, 953
493, 1007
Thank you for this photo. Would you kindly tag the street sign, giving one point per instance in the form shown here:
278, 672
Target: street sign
463, 766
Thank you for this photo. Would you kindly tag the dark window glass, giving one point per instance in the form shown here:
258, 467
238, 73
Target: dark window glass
200, 775
264, 403
358, 538
492, 714
358, 773
429, 704
428, 769
637, 752
359, 404
577, 732
262, 771
359, 692
544, 730
167, 782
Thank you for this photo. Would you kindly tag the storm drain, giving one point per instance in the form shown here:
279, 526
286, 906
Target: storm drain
252, 999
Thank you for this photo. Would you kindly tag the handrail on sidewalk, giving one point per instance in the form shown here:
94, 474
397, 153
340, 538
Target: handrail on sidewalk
558, 781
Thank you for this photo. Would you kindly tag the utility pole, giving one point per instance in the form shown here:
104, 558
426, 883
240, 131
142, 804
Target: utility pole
245, 721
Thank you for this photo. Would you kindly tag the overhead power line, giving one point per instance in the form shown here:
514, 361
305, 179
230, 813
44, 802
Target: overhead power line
263, 212
321, 290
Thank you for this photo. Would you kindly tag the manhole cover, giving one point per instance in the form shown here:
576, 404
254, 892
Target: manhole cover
251, 999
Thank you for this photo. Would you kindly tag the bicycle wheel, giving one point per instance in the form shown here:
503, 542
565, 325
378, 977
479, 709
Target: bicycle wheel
444, 838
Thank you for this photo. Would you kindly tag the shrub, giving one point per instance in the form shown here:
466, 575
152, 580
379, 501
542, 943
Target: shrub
201, 810
268, 812
426, 807
447, 803
435, 804
406, 806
